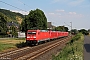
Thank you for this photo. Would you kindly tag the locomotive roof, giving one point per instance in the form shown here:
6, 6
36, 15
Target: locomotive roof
43, 30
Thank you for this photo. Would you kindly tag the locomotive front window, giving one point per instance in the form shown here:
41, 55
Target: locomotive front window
31, 32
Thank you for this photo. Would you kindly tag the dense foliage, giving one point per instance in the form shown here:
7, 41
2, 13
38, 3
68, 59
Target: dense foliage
61, 28
12, 16
36, 19
83, 31
7, 28
3, 27
73, 50
13, 31
74, 31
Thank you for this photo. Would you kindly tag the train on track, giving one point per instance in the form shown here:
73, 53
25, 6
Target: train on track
37, 36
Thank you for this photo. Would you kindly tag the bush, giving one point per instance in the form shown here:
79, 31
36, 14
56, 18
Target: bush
21, 44
73, 49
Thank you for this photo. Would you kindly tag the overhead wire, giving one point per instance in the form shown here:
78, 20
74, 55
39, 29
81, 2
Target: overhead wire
23, 3
16, 8
67, 24
13, 6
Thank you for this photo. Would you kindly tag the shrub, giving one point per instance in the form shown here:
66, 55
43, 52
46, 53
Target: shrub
73, 50
21, 44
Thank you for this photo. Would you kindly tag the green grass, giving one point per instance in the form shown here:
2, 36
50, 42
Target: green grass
19, 38
11, 43
12, 38
4, 46
73, 49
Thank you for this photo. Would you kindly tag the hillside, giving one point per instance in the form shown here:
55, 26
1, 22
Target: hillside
12, 16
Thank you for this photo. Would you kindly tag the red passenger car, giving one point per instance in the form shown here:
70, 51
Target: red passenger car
66, 34
53, 34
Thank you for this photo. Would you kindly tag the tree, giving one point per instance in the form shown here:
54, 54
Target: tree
61, 28
3, 27
36, 19
12, 16
83, 31
66, 29
89, 30
13, 31
74, 31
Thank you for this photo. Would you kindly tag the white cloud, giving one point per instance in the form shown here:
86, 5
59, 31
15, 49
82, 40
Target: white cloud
58, 14
76, 2
65, 15
69, 2
56, 1
80, 15
22, 12
72, 13
60, 10
54, 14
51, 13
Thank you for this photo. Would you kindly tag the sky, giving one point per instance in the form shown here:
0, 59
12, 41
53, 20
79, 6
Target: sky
59, 12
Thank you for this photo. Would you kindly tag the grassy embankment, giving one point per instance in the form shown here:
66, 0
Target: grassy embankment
11, 43
73, 50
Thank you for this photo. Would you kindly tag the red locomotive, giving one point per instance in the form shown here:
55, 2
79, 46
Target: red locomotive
37, 36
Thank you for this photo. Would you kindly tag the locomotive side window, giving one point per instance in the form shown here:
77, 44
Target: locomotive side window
31, 32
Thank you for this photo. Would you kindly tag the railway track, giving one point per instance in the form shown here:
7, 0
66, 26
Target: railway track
30, 53
10, 55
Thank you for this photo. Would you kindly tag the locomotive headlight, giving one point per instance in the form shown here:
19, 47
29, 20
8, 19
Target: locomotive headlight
28, 37
34, 37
